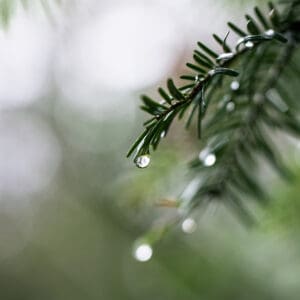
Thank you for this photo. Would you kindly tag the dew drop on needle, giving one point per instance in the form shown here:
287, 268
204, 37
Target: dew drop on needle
143, 252
142, 161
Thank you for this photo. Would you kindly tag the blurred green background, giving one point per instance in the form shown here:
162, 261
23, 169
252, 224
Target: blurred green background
72, 205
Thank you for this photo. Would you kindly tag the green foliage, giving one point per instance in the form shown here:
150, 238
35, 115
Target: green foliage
234, 119
8, 7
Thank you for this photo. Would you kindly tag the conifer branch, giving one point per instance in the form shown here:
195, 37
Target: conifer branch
235, 130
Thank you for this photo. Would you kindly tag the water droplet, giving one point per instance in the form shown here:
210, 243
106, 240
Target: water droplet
225, 56
143, 161
270, 33
143, 252
211, 72
249, 45
199, 78
230, 106
208, 158
163, 134
188, 225
235, 85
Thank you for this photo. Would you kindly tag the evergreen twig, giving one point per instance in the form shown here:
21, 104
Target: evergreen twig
236, 129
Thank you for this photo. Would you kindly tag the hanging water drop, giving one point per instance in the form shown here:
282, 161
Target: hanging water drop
235, 85
188, 225
211, 72
207, 158
270, 33
210, 160
143, 252
230, 106
142, 161
163, 134
225, 56
249, 45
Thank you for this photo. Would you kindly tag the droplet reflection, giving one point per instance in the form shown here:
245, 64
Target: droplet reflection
163, 134
188, 225
270, 33
230, 106
143, 252
208, 158
211, 72
249, 45
143, 161
225, 56
235, 85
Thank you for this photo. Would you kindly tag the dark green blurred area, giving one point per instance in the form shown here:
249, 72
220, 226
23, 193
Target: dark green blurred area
75, 239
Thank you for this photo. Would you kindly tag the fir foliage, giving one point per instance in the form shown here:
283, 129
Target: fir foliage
237, 98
